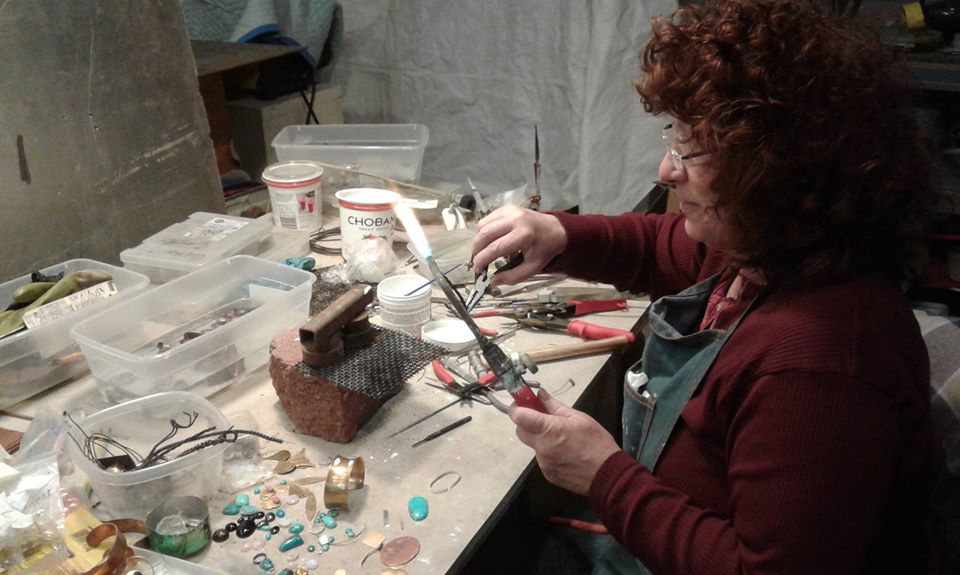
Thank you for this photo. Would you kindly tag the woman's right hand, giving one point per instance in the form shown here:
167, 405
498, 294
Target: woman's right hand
540, 237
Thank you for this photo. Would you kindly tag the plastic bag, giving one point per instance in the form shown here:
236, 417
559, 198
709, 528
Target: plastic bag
31, 512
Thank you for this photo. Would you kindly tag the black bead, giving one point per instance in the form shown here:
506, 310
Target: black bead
221, 535
275, 529
270, 516
246, 528
231, 527
258, 515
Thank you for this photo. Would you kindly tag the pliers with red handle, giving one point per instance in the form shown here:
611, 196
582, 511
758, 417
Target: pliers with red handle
578, 328
571, 308
470, 391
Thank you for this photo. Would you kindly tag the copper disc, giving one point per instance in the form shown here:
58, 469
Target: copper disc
399, 551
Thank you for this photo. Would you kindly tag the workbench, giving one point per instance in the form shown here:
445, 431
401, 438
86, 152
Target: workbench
486, 453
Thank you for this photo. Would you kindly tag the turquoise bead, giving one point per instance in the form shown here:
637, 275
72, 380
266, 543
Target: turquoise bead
329, 522
256, 491
243, 499
231, 509
296, 528
311, 548
330, 539
264, 528
248, 510
283, 482
280, 513
349, 533
417, 506
266, 565
268, 537
334, 513
325, 547
291, 542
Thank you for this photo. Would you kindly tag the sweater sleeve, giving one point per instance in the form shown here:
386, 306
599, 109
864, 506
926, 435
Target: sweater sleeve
786, 515
634, 252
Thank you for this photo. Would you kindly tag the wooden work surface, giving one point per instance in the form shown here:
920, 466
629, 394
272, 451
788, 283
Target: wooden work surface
213, 57
485, 452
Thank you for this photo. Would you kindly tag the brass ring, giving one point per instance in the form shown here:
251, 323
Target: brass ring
343, 475
258, 558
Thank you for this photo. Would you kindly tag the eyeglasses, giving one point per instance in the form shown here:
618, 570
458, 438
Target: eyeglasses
676, 148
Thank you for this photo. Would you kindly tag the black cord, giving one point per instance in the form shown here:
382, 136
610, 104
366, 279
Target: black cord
324, 235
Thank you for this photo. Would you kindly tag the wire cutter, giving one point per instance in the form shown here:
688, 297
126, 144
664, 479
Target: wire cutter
483, 281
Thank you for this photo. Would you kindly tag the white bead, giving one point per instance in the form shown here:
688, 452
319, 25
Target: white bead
311, 564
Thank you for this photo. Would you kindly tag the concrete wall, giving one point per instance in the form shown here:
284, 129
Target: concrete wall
103, 137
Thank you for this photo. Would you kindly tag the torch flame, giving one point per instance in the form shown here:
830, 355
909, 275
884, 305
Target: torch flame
414, 230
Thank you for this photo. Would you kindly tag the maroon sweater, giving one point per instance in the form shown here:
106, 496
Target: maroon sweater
809, 445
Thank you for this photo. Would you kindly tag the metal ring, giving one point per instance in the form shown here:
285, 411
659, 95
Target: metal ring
449, 487
343, 475
259, 557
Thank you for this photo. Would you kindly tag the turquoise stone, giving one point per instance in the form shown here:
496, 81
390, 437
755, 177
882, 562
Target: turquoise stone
268, 537
330, 539
325, 547
334, 513
231, 509
329, 522
349, 533
256, 491
291, 542
417, 506
248, 510
283, 482
242, 499
264, 528
311, 548
280, 513
266, 564
296, 528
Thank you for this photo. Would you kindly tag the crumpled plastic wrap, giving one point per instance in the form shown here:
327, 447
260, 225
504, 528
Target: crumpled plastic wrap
30, 510
372, 261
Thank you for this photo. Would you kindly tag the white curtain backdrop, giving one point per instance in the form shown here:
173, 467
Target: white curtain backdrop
481, 73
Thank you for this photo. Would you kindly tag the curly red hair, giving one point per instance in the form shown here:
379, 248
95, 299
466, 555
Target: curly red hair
820, 166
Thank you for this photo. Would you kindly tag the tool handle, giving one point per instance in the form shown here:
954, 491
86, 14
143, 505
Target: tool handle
525, 397
578, 349
593, 331
596, 306
442, 373
487, 313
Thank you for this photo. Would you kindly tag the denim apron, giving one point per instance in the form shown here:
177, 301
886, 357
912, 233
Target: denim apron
675, 359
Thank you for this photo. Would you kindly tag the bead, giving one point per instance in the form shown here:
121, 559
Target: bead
220, 535
284, 522
311, 564
325, 548
291, 542
324, 540
231, 509
231, 527
311, 548
268, 537
292, 499
245, 528
245, 547
334, 513
329, 522
266, 565
418, 508
259, 544
270, 517
242, 499
263, 526
259, 514
296, 528
256, 491
283, 482
349, 533
275, 529
286, 572
248, 510
281, 512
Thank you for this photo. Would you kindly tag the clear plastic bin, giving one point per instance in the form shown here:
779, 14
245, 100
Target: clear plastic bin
200, 240
34, 360
391, 150
140, 424
198, 333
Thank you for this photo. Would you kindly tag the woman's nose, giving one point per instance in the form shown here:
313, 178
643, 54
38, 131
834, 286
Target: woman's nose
667, 171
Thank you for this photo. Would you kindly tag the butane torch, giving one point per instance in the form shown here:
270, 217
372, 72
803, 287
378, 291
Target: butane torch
500, 364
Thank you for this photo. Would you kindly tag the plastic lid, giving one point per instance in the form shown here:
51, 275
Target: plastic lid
292, 173
452, 334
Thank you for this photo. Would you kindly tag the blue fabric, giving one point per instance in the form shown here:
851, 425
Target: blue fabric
315, 24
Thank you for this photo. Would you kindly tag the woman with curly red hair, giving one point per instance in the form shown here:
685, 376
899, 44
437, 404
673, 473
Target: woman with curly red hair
779, 420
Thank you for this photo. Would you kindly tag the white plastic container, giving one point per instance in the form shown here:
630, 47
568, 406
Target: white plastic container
449, 333
37, 359
140, 424
295, 189
391, 150
198, 333
366, 213
403, 307
200, 240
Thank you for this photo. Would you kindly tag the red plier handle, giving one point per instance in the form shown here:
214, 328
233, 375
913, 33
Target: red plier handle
586, 330
577, 308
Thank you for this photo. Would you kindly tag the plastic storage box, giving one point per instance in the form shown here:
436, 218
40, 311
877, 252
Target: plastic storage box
198, 333
391, 150
140, 424
200, 240
37, 359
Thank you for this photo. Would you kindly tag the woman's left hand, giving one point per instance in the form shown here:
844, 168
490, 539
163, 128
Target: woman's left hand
571, 446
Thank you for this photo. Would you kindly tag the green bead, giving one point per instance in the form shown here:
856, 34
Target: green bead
248, 510
242, 499
266, 565
268, 537
330, 539
256, 491
349, 533
325, 547
311, 548
280, 513
418, 509
296, 528
329, 522
283, 482
231, 509
291, 542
